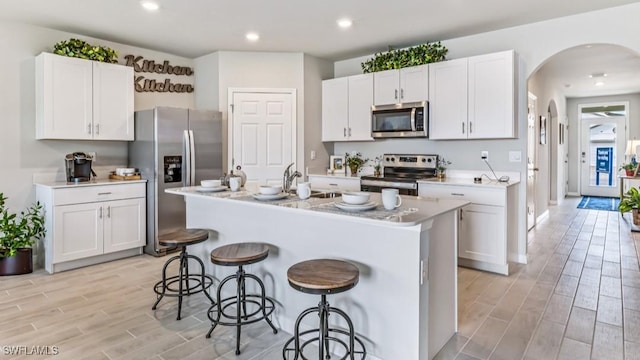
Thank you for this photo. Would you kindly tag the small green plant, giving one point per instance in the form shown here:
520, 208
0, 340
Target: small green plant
19, 231
355, 161
630, 200
442, 164
83, 50
400, 58
629, 166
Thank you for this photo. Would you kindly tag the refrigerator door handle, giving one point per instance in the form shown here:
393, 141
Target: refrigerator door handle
187, 158
192, 161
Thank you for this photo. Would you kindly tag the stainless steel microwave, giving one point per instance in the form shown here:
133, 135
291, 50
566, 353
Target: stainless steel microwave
400, 120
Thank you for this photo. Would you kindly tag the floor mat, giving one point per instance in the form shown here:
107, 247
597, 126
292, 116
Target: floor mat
599, 203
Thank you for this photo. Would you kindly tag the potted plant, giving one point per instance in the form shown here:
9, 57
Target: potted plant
441, 168
17, 235
629, 168
355, 161
377, 166
631, 202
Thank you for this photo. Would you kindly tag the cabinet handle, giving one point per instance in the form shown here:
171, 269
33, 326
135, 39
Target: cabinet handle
470, 127
349, 131
89, 129
401, 93
344, 132
396, 95
108, 211
105, 193
97, 129
100, 214
333, 184
463, 128
457, 194
461, 214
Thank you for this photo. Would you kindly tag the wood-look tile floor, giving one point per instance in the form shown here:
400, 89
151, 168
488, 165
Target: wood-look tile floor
577, 298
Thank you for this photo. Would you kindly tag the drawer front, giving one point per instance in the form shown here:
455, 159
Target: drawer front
476, 195
86, 194
335, 183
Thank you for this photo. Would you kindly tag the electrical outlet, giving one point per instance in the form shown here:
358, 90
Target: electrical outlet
484, 155
92, 154
313, 155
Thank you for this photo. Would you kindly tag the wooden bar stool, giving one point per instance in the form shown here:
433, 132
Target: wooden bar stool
324, 277
239, 255
187, 283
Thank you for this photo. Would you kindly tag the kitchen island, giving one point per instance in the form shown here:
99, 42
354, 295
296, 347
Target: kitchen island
404, 306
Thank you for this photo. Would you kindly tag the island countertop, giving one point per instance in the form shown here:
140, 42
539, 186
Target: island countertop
413, 211
407, 260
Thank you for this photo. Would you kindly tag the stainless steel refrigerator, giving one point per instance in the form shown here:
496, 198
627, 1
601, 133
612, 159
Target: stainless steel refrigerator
173, 148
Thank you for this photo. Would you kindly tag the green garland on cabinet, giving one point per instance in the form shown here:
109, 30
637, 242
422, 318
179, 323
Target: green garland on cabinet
83, 50
400, 58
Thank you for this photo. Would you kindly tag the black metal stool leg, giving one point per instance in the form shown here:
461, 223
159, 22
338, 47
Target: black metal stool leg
263, 298
239, 305
202, 278
163, 282
180, 279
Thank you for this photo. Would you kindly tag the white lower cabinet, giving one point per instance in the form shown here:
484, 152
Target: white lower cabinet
485, 225
91, 224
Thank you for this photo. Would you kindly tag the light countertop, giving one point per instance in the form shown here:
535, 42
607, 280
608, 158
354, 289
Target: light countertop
413, 211
460, 181
97, 182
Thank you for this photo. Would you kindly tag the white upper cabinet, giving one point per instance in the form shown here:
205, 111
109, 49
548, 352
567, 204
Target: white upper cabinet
472, 98
346, 108
80, 99
409, 84
448, 101
491, 96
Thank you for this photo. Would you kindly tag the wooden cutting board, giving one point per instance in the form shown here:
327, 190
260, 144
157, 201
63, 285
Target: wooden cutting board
127, 177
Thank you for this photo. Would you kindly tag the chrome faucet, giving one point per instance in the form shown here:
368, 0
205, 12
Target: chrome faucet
287, 178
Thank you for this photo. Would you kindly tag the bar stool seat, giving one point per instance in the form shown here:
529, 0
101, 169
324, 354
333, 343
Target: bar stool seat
240, 254
324, 277
187, 283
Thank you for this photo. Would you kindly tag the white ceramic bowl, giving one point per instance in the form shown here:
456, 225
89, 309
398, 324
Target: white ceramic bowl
270, 189
355, 197
210, 183
125, 171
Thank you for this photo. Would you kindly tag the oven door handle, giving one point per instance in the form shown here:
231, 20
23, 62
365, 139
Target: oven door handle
389, 184
413, 119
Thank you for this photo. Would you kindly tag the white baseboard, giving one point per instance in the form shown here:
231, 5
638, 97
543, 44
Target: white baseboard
542, 216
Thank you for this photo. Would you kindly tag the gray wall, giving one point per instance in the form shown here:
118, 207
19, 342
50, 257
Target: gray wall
23, 156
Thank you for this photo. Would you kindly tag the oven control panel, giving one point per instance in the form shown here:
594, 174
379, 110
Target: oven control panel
410, 161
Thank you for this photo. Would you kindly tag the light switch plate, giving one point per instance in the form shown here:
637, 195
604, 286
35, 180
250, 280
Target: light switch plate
515, 156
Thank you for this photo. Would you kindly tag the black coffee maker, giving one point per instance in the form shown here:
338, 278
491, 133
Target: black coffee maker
78, 166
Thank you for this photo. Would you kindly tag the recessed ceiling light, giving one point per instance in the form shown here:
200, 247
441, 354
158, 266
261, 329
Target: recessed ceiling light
149, 5
599, 83
597, 75
252, 36
345, 23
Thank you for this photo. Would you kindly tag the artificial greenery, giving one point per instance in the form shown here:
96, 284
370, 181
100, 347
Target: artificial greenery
83, 50
400, 58
19, 231
630, 200
629, 166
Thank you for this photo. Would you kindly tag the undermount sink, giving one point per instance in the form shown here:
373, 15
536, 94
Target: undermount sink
322, 194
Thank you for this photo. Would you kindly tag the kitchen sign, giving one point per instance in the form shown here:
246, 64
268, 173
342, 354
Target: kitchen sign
142, 84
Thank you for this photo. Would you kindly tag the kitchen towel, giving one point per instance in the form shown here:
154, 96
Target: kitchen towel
599, 203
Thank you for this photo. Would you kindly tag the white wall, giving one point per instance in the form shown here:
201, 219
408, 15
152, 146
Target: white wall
23, 156
534, 43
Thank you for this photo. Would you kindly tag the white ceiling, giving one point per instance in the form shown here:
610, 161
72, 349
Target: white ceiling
193, 28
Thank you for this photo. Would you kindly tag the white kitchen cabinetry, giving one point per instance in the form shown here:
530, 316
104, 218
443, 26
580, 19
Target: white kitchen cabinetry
485, 225
472, 98
334, 182
346, 108
79, 99
91, 224
405, 85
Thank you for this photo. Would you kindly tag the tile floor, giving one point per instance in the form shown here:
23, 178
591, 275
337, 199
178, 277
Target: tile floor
578, 298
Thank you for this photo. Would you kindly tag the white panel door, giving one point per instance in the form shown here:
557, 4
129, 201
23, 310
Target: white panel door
448, 99
112, 102
79, 231
124, 224
385, 87
601, 151
360, 102
414, 83
263, 134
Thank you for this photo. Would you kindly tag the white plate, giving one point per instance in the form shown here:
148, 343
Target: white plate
212, 189
270, 197
352, 207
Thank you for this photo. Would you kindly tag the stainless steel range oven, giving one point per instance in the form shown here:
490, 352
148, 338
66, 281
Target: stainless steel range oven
402, 172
